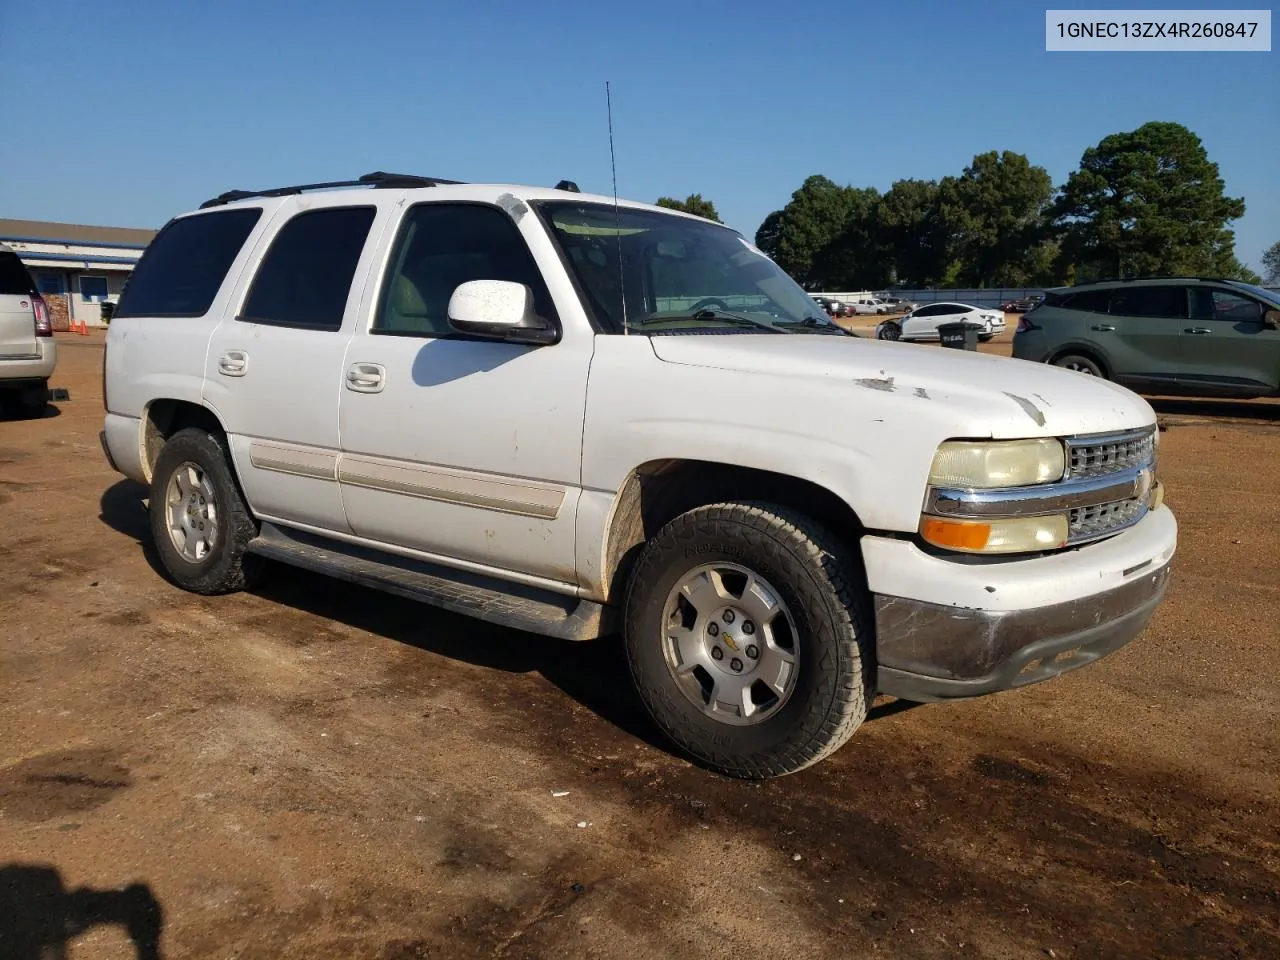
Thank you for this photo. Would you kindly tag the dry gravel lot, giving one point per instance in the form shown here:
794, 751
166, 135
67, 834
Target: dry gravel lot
317, 771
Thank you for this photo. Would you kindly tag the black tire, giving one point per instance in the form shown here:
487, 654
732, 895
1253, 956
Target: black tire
822, 587
889, 331
1080, 363
226, 567
985, 337
33, 401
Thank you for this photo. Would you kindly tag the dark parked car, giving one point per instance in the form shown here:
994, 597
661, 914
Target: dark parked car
1193, 337
1021, 304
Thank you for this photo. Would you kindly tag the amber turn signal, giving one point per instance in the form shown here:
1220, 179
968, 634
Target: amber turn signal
956, 534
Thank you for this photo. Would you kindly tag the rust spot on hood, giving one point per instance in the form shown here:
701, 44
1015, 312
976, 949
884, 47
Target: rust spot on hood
871, 383
1029, 408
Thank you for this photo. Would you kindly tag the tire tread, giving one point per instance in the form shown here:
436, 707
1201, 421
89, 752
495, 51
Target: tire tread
789, 536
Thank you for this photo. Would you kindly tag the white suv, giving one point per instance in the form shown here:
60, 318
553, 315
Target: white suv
534, 407
28, 352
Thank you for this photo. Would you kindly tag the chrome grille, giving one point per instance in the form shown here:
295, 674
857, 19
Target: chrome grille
1109, 455
1086, 523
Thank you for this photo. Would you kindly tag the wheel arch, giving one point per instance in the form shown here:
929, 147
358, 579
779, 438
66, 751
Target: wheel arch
165, 416
656, 492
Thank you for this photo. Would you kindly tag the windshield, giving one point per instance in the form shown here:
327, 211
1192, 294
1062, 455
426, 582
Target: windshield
1271, 296
677, 273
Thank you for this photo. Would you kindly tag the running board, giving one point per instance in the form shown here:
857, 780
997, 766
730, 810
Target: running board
507, 604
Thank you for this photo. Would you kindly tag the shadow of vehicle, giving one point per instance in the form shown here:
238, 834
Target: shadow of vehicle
1197, 407
593, 673
11, 409
39, 916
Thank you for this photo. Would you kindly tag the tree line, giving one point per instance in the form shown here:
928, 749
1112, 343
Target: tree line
1145, 202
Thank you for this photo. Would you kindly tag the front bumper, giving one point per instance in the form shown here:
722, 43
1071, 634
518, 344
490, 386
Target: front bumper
947, 629
927, 652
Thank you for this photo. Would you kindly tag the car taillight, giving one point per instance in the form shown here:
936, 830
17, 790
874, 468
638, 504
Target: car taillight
44, 326
1024, 325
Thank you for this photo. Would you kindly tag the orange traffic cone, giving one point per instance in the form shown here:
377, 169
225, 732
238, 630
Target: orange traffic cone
84, 328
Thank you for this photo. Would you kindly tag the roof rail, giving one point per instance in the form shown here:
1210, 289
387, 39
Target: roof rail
1085, 283
377, 179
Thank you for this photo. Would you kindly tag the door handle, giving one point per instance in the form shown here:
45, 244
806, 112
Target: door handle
233, 363
366, 377
1196, 330
1104, 327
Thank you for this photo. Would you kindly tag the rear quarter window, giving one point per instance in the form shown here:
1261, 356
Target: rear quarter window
184, 266
1087, 301
14, 279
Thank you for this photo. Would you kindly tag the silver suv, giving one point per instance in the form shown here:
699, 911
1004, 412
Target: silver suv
28, 352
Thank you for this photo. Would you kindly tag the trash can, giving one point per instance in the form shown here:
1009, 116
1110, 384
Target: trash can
108, 308
960, 335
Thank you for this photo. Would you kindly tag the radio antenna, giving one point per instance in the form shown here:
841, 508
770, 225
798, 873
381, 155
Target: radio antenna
617, 224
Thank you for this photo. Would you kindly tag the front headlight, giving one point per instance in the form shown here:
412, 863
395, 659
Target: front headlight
997, 463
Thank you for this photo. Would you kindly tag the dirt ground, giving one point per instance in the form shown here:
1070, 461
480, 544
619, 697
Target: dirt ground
316, 770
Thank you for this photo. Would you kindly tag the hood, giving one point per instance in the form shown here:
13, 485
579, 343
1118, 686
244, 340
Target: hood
993, 395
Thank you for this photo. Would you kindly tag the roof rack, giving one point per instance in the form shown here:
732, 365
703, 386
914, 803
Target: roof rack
377, 180
1086, 283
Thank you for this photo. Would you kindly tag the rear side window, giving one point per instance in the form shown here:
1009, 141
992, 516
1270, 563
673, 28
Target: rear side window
306, 275
14, 279
1163, 302
183, 267
1090, 301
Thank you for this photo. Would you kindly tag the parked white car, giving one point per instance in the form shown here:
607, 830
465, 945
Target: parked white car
540, 409
922, 323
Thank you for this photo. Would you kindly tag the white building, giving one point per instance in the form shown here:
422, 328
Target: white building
75, 267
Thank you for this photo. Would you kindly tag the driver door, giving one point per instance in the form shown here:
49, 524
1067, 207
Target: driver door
463, 448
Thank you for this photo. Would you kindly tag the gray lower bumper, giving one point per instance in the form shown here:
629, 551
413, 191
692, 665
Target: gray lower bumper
928, 652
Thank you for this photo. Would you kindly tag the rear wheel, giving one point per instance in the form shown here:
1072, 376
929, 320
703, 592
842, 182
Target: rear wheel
200, 523
748, 634
33, 400
1080, 364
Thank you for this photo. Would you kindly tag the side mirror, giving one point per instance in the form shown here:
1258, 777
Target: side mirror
499, 310
1271, 319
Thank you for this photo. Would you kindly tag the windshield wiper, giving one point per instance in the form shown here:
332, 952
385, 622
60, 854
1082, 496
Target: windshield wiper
816, 323
719, 315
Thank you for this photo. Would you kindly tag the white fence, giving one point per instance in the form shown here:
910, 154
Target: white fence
988, 298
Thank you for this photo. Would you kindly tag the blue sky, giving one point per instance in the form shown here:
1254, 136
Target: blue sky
125, 114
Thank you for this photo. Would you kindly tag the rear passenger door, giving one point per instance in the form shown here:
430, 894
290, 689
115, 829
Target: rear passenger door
274, 368
1146, 343
158, 340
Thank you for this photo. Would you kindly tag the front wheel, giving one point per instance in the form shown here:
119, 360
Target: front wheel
748, 633
888, 331
200, 523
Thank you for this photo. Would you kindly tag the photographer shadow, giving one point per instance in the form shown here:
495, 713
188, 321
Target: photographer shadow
39, 916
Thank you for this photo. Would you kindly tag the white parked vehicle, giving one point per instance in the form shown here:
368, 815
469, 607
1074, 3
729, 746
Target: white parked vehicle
578, 419
28, 352
870, 306
922, 323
